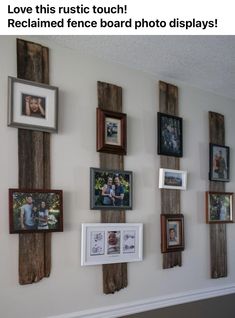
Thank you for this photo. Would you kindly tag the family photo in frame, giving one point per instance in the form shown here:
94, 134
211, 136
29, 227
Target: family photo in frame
35, 210
172, 232
32, 105
219, 207
172, 179
110, 189
219, 163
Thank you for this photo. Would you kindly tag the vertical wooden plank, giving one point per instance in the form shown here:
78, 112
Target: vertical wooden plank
218, 237
34, 166
114, 275
170, 199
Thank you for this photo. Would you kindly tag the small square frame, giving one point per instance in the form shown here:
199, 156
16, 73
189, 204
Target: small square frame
106, 243
219, 163
48, 218
170, 135
172, 232
32, 105
111, 134
172, 179
219, 207
103, 196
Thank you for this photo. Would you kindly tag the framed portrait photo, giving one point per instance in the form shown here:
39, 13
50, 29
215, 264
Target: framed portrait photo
111, 132
219, 207
219, 163
170, 135
35, 210
172, 179
104, 243
110, 189
172, 232
32, 105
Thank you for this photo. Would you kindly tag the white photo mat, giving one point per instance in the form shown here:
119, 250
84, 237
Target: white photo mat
105, 243
172, 179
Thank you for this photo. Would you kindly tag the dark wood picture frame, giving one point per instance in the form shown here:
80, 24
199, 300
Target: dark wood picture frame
219, 207
172, 232
219, 163
111, 136
170, 135
99, 196
47, 217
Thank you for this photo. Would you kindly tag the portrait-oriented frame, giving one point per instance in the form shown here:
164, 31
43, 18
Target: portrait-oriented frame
170, 135
169, 222
17, 88
113, 140
127, 245
219, 207
54, 204
172, 179
98, 178
216, 172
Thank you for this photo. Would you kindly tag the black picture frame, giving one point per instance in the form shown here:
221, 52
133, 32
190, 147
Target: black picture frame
103, 198
170, 135
219, 163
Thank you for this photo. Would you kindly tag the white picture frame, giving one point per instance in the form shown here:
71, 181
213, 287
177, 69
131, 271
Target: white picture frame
106, 243
172, 179
32, 105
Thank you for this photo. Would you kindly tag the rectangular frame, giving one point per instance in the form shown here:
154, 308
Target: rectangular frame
172, 232
172, 179
219, 207
170, 135
31, 215
111, 134
219, 163
32, 105
105, 194
106, 243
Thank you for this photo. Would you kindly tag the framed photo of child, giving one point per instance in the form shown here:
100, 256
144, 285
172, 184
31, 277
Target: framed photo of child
32, 105
172, 232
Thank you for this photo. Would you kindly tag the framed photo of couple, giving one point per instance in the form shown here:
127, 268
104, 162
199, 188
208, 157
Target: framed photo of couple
35, 210
219, 207
219, 163
105, 243
110, 189
32, 105
172, 232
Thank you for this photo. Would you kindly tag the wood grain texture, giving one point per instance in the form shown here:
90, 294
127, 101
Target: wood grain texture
34, 166
170, 199
218, 237
114, 275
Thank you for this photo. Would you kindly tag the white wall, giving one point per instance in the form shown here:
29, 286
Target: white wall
72, 288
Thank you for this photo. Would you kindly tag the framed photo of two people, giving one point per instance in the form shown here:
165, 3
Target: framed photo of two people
219, 163
35, 210
110, 189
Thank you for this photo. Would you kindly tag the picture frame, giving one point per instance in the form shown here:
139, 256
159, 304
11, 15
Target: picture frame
110, 189
170, 135
111, 136
172, 233
219, 163
219, 207
106, 243
33, 210
32, 105
172, 179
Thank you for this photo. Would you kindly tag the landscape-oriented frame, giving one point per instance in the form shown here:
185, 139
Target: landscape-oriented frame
170, 135
106, 243
172, 179
44, 117
219, 163
111, 136
98, 180
219, 207
53, 203
172, 223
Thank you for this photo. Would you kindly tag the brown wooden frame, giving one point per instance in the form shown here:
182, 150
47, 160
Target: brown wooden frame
32, 192
165, 219
101, 144
208, 217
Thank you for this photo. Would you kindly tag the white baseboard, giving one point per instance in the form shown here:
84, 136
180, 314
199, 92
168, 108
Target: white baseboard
150, 303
